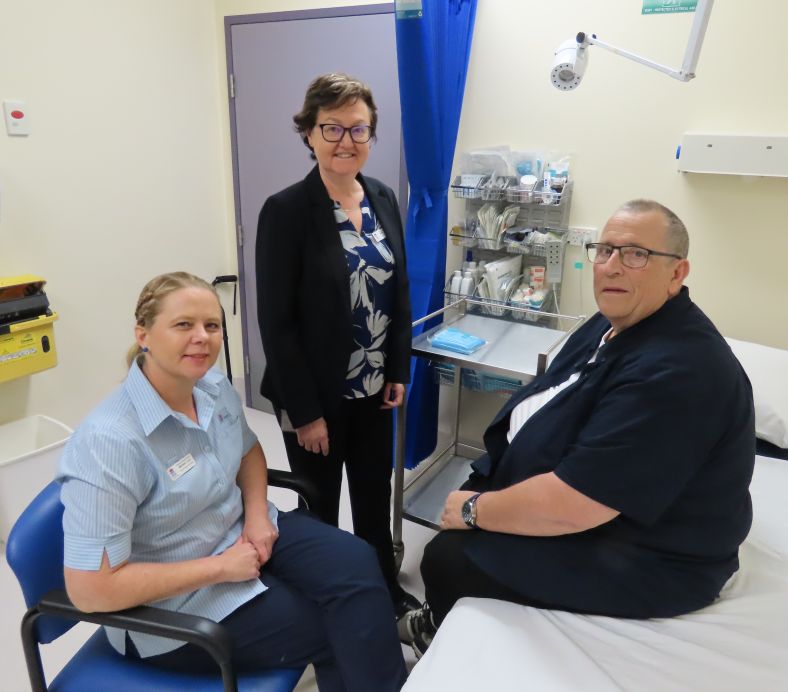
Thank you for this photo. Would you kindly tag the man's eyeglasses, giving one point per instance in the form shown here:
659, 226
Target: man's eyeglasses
360, 134
632, 256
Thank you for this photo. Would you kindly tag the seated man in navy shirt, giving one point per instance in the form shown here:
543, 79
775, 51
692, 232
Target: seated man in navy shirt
617, 482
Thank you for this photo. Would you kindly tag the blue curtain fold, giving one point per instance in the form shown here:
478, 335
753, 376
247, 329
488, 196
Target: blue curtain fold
433, 47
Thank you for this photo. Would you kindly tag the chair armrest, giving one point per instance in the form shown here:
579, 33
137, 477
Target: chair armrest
205, 633
286, 479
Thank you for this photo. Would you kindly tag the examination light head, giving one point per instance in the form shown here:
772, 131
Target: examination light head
570, 63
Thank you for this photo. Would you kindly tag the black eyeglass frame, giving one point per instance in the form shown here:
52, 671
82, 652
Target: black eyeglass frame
349, 130
596, 246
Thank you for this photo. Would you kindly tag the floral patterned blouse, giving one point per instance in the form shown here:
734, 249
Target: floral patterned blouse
371, 266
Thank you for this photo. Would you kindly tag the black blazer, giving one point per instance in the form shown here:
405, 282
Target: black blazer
303, 297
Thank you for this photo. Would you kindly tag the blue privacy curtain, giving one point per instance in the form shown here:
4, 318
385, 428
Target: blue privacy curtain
433, 46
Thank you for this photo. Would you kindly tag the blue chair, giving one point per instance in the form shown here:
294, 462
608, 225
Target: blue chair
35, 553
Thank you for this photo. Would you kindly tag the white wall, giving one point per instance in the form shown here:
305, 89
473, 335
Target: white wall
623, 124
127, 172
121, 179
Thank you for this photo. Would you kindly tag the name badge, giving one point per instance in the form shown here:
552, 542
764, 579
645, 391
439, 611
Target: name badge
180, 467
378, 235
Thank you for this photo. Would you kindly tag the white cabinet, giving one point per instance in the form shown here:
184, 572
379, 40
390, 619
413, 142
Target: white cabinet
760, 155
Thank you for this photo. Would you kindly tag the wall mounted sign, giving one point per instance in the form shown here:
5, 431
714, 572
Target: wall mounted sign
668, 6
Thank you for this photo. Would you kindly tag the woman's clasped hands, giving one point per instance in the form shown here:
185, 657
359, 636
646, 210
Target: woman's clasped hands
244, 559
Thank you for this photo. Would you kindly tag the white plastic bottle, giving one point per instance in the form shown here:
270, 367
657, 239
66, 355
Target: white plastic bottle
455, 283
466, 285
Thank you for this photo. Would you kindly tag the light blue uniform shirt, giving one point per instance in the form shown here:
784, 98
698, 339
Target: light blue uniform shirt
129, 488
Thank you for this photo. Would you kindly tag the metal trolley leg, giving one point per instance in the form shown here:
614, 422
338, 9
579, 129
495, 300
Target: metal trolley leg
399, 483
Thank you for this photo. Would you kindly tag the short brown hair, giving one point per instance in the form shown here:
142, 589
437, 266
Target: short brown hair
152, 295
329, 91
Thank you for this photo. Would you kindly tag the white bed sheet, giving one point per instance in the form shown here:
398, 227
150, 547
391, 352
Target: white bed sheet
740, 642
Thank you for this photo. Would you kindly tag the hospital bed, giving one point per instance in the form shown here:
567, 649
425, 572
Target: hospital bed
737, 643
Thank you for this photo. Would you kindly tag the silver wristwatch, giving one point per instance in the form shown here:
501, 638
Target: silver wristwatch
469, 511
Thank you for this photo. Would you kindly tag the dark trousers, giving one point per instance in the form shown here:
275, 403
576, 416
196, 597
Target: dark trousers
360, 437
579, 573
449, 574
326, 604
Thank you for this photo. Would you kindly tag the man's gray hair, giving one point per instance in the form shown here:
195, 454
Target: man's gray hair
677, 236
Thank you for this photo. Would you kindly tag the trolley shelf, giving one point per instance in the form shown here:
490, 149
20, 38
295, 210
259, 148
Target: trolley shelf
423, 499
512, 348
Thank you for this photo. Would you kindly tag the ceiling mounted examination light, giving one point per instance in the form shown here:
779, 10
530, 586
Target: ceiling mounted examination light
571, 58
570, 63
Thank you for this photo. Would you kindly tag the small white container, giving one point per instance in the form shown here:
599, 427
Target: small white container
466, 285
456, 282
29, 452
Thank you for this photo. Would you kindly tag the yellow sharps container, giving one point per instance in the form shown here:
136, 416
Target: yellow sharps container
27, 339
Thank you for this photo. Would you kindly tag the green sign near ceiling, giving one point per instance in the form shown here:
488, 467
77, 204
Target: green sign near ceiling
668, 6
408, 9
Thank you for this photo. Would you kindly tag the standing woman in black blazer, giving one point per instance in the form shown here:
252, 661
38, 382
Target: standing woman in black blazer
334, 315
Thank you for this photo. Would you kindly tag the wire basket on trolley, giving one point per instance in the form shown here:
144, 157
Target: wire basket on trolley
468, 186
476, 381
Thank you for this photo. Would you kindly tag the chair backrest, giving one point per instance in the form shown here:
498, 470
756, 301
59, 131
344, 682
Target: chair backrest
35, 554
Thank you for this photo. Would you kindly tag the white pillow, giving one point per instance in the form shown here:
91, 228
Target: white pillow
767, 369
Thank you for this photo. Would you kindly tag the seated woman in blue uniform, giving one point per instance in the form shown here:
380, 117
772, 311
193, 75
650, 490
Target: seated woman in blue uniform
617, 482
165, 494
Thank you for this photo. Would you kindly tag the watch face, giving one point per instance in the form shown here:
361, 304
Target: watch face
467, 512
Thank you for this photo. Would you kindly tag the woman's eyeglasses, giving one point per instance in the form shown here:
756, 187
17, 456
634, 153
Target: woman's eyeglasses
360, 134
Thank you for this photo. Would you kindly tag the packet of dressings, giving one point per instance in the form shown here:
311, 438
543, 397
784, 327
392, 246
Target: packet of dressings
455, 340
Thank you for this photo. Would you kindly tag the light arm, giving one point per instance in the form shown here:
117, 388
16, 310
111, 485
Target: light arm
697, 33
691, 54
592, 40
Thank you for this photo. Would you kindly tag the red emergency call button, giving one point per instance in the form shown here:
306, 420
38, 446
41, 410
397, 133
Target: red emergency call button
17, 115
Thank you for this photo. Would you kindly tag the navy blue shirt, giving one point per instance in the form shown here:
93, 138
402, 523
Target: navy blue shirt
371, 266
661, 428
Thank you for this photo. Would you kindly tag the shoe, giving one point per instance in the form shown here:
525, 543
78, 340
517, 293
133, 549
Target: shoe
403, 602
417, 629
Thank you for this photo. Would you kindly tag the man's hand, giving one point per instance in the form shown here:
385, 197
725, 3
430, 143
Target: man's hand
262, 534
393, 395
451, 518
313, 437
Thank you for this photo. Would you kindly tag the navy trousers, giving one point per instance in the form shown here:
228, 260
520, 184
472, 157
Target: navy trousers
360, 438
326, 604
578, 573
